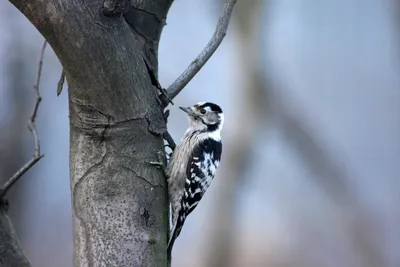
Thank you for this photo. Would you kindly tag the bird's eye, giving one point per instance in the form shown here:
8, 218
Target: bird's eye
202, 111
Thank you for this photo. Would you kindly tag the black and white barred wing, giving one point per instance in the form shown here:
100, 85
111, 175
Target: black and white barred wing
200, 172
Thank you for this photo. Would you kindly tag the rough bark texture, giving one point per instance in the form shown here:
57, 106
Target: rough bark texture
10, 250
116, 125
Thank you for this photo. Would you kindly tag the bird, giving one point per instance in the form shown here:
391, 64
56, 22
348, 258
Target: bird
193, 163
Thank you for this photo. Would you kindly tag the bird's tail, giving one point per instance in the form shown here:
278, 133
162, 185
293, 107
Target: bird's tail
175, 231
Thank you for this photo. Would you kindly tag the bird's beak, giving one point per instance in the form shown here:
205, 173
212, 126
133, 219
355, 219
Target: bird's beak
189, 111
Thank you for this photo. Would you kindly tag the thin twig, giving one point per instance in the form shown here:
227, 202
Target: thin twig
32, 128
60, 83
176, 87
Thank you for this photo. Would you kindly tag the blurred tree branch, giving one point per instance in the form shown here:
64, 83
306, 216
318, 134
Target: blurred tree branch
252, 99
328, 175
334, 181
32, 128
10, 249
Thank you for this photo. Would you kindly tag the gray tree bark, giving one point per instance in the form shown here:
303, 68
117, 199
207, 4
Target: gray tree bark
116, 125
10, 249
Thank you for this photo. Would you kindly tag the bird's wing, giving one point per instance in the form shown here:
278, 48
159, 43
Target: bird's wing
200, 172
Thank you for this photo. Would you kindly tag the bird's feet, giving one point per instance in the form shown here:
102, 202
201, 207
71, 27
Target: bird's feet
168, 138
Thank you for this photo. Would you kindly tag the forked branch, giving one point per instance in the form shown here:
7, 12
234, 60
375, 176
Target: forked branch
176, 87
32, 128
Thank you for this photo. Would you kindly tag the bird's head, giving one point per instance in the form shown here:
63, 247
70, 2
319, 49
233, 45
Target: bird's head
205, 116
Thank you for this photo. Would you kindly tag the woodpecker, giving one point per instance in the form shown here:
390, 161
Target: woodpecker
193, 163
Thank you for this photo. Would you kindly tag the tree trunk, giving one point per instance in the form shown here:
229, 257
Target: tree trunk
10, 250
116, 125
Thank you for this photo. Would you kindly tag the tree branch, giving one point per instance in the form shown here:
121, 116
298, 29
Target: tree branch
60, 83
32, 128
176, 87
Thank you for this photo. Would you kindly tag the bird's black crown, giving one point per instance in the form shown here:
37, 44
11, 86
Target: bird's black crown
213, 107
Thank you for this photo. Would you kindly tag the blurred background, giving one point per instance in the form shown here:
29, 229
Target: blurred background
311, 160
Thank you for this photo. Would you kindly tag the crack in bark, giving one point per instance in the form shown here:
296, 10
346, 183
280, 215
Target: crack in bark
163, 96
148, 39
88, 10
148, 12
85, 225
141, 117
142, 178
106, 127
126, 143
91, 168
155, 120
